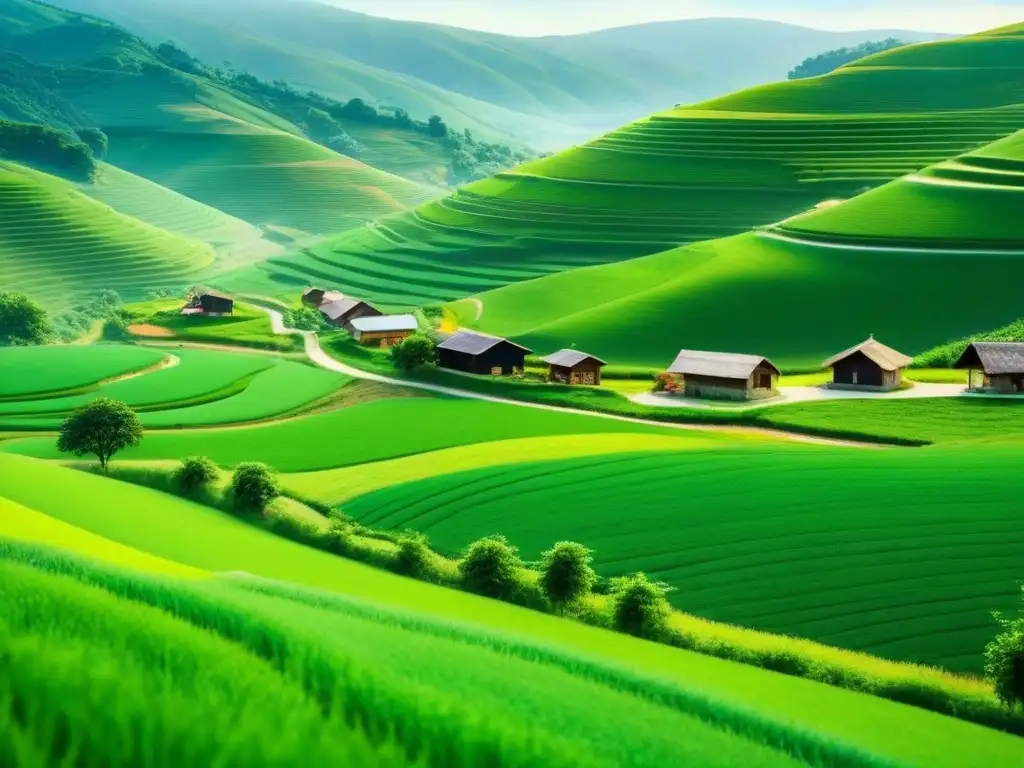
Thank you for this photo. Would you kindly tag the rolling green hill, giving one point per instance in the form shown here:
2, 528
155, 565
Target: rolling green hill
865, 256
56, 242
313, 637
691, 174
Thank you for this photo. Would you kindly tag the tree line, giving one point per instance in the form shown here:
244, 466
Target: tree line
830, 61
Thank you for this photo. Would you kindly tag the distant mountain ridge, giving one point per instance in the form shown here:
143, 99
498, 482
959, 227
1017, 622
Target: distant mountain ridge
548, 91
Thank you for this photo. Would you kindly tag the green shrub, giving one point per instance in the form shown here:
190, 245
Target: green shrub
294, 529
491, 567
640, 606
22, 321
414, 353
414, 556
254, 486
194, 473
337, 539
566, 574
1004, 663
116, 329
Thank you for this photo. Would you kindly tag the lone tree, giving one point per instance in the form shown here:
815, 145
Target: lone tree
1004, 663
101, 428
640, 606
254, 486
22, 321
415, 352
490, 567
566, 575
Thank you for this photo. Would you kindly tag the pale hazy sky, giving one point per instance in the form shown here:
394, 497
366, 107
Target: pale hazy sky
538, 17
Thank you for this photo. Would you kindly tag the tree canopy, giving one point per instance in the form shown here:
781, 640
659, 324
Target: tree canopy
102, 428
830, 61
22, 321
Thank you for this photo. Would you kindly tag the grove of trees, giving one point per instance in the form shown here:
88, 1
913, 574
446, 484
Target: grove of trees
830, 61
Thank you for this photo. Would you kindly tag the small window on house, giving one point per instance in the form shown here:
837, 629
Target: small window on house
496, 371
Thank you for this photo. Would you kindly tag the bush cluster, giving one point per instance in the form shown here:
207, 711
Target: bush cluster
195, 473
254, 486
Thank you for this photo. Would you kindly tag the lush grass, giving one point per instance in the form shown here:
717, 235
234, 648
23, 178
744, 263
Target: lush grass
877, 727
53, 370
56, 243
694, 173
803, 541
373, 431
245, 327
205, 388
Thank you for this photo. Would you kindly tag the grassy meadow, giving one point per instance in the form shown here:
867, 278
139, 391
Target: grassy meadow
351, 627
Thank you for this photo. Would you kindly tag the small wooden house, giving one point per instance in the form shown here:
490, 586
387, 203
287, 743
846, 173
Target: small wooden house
481, 354
1000, 363
726, 376
570, 366
317, 297
383, 330
209, 303
870, 365
341, 313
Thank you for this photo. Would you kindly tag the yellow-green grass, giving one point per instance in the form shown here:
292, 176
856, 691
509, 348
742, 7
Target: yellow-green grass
371, 431
150, 521
899, 553
204, 387
337, 486
694, 173
969, 203
797, 303
30, 372
265, 176
56, 242
920, 375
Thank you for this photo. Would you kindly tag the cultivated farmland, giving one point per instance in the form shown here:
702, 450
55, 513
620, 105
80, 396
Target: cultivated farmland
696, 173
367, 644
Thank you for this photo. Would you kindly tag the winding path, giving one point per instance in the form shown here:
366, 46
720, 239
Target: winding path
317, 355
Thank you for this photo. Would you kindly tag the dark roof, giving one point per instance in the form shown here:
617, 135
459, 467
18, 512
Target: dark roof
719, 365
887, 358
994, 357
570, 358
473, 343
340, 308
201, 290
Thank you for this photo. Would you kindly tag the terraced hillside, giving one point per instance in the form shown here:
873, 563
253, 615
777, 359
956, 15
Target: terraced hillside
690, 174
56, 242
103, 574
865, 256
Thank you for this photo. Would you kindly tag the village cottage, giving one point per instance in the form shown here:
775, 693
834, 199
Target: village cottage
999, 365
570, 366
870, 365
383, 330
726, 376
481, 354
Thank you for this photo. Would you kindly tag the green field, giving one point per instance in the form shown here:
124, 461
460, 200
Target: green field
194, 387
55, 242
502, 665
35, 371
690, 174
808, 542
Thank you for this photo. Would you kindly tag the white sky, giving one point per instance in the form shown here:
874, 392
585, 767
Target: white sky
540, 17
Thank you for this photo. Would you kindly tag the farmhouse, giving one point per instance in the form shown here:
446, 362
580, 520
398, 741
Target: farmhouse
1000, 362
870, 365
481, 354
204, 301
384, 331
570, 366
342, 312
726, 376
317, 297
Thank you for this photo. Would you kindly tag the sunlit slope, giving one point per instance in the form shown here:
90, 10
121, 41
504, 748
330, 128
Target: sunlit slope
971, 202
694, 173
618, 701
56, 242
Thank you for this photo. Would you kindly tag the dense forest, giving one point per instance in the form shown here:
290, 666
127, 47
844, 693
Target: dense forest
833, 60
52, 148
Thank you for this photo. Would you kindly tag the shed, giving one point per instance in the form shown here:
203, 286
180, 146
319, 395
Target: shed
869, 365
317, 297
1000, 362
726, 376
341, 313
570, 366
206, 301
481, 354
383, 330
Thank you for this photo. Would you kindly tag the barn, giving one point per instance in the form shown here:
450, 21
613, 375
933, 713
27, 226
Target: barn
384, 330
1000, 363
341, 313
869, 365
570, 366
726, 376
317, 297
481, 354
208, 302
